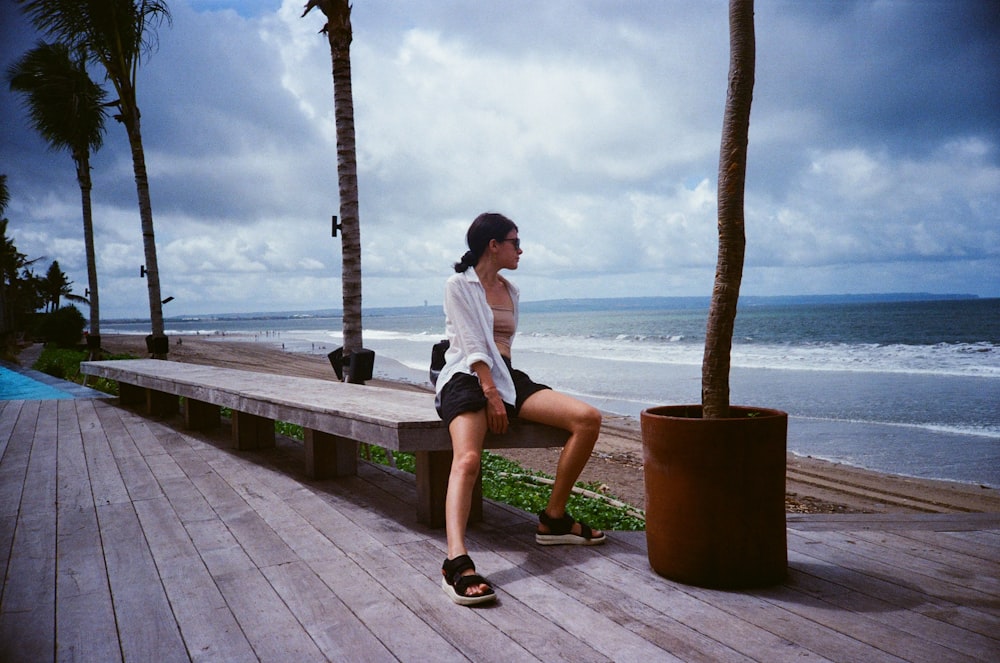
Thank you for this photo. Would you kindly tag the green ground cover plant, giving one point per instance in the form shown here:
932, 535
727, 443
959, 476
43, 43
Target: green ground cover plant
64, 363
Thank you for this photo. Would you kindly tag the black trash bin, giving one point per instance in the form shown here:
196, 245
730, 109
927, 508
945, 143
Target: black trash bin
157, 345
360, 365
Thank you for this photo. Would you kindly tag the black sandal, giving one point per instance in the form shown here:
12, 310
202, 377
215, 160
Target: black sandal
455, 584
561, 532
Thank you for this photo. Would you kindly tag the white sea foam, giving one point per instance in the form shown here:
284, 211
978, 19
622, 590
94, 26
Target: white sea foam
955, 359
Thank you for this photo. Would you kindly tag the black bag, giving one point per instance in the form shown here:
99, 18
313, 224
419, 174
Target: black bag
437, 359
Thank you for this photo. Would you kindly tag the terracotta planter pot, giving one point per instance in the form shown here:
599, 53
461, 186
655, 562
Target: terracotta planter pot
715, 495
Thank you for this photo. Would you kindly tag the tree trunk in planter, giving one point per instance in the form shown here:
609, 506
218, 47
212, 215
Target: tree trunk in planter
715, 495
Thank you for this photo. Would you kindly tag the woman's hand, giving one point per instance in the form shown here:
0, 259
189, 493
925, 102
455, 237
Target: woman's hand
496, 411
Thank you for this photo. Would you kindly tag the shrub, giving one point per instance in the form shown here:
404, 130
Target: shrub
64, 363
63, 327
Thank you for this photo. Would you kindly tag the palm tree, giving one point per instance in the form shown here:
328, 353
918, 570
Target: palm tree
67, 109
339, 34
732, 238
116, 34
18, 286
55, 286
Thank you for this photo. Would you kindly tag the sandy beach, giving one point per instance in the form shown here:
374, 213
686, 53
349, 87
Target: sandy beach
813, 485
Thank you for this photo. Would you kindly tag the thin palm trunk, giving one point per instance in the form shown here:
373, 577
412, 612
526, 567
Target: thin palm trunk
130, 115
732, 238
339, 34
347, 180
83, 178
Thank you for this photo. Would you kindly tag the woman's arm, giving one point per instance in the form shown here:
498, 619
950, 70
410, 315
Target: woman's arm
496, 411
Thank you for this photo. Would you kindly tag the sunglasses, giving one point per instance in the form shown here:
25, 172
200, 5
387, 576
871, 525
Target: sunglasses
516, 240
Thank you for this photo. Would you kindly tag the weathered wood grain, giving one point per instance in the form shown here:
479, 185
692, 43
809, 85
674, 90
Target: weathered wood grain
162, 544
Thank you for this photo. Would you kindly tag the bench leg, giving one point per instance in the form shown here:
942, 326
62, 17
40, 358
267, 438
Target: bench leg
161, 404
329, 455
199, 415
432, 470
130, 394
252, 432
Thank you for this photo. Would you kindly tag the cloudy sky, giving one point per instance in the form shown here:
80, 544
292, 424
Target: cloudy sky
874, 162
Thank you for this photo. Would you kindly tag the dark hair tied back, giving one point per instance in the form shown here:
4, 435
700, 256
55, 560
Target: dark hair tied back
468, 260
484, 229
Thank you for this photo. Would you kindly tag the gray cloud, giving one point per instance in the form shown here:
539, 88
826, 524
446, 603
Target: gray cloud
873, 157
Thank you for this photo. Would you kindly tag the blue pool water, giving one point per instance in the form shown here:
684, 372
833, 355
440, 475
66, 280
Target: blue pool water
20, 384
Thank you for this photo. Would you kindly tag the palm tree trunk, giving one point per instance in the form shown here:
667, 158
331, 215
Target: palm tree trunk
82, 160
347, 177
130, 115
732, 238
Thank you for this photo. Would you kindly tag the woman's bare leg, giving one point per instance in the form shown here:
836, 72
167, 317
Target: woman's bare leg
467, 433
584, 425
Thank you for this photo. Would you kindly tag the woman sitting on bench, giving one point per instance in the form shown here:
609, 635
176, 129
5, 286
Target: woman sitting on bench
479, 391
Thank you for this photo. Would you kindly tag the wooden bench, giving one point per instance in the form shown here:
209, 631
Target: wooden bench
335, 417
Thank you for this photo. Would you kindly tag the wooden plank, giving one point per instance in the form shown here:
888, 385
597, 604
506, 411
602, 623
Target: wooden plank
199, 415
27, 603
368, 594
327, 560
207, 625
9, 411
883, 581
19, 419
337, 631
13, 466
251, 432
187, 500
273, 631
146, 626
128, 394
585, 576
549, 595
933, 639
161, 404
690, 639
881, 522
733, 635
85, 621
970, 544
544, 639
328, 455
121, 424
891, 637
933, 578
105, 478
331, 624
136, 477
982, 573
432, 469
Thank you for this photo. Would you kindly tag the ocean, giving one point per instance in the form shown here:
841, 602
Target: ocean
900, 386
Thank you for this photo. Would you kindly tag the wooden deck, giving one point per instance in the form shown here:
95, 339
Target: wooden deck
123, 537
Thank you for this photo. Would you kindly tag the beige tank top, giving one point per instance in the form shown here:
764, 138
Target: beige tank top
503, 328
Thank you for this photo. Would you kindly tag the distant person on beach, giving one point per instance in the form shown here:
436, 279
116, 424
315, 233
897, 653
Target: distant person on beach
479, 391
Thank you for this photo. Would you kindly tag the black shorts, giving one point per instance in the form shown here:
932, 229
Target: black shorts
463, 393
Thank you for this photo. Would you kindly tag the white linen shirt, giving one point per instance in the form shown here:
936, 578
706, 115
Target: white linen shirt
469, 328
